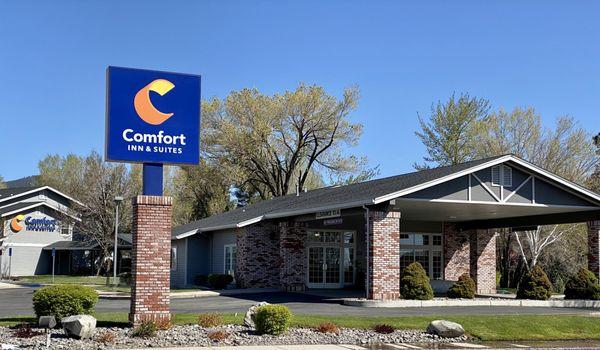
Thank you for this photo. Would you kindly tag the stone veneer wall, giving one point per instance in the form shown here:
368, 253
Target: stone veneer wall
258, 260
292, 239
483, 260
594, 247
151, 256
384, 255
456, 252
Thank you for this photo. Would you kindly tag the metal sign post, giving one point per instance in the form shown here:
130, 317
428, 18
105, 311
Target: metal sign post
9, 261
53, 262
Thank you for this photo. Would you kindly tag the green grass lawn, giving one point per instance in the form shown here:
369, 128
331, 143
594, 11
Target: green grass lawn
99, 283
484, 327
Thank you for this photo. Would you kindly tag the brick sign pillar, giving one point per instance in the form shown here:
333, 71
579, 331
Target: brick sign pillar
594, 247
384, 255
150, 265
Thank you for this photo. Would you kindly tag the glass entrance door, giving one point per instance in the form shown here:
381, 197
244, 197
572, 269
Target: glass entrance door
330, 259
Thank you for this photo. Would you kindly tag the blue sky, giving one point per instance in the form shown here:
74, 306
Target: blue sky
403, 56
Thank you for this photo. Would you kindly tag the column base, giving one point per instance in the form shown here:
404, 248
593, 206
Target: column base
158, 318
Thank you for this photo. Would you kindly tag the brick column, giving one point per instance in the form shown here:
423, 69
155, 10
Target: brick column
258, 258
292, 250
456, 252
384, 255
483, 260
150, 265
594, 247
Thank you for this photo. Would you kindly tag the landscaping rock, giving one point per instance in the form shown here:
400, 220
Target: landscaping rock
79, 326
249, 318
446, 329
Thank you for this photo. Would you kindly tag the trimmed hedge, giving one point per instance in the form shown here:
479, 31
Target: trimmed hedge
272, 319
219, 281
64, 300
463, 288
535, 285
414, 283
583, 285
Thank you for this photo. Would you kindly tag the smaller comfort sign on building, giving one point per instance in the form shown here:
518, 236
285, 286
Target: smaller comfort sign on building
152, 117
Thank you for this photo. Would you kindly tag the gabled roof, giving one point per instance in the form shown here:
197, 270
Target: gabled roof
356, 195
124, 242
10, 193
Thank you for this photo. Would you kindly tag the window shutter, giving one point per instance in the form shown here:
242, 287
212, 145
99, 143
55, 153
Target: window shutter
496, 175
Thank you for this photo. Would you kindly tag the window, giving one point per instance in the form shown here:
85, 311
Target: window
173, 258
424, 248
230, 251
502, 176
65, 229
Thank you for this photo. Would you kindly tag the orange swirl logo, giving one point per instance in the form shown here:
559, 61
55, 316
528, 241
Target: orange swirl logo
15, 223
144, 107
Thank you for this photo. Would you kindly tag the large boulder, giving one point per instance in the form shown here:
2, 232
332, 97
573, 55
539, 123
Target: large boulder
446, 329
79, 326
249, 318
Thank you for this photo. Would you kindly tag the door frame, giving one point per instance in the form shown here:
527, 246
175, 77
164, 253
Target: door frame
340, 246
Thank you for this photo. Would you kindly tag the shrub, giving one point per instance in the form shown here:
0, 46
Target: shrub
384, 328
146, 329
328, 327
272, 319
583, 285
414, 283
64, 300
534, 285
218, 335
106, 338
201, 280
219, 281
163, 325
463, 288
25, 331
210, 320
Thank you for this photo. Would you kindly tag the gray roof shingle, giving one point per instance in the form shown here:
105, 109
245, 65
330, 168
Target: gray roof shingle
356, 194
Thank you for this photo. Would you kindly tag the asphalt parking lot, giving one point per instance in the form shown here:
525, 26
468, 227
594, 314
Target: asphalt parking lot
17, 302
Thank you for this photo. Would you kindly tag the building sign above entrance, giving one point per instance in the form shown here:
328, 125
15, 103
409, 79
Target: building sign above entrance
32, 224
328, 214
152, 117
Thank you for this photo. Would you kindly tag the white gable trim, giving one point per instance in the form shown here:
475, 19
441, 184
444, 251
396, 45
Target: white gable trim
37, 205
576, 188
38, 190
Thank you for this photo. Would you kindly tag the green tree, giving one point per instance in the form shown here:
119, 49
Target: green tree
200, 191
566, 149
449, 132
95, 183
2, 184
272, 144
594, 181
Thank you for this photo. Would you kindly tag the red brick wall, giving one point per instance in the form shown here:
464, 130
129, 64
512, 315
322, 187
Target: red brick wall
483, 260
594, 247
150, 265
456, 252
384, 255
292, 275
258, 260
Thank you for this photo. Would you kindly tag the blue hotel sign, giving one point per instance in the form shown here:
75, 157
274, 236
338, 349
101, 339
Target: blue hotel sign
152, 117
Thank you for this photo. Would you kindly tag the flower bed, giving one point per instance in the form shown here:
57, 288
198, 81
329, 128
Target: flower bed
194, 335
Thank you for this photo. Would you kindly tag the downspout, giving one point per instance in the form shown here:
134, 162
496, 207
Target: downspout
367, 234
